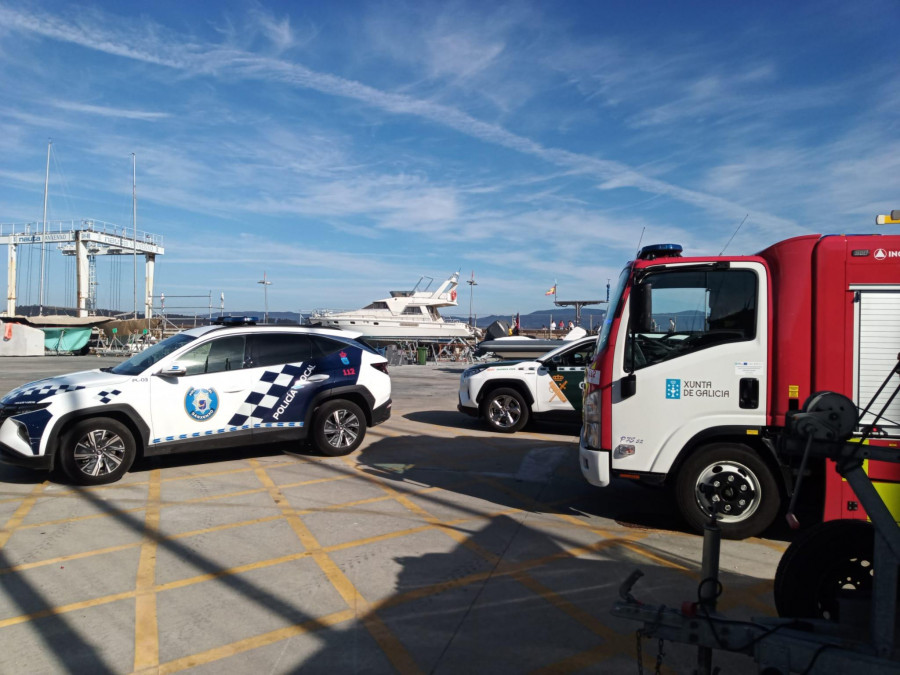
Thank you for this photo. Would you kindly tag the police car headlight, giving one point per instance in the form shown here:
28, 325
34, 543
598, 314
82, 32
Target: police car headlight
474, 370
11, 409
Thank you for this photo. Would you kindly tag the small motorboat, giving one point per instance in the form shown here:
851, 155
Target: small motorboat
524, 347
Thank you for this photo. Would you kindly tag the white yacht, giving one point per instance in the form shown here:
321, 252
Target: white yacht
405, 315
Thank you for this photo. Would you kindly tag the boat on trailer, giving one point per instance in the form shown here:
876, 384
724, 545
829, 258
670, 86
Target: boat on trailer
404, 316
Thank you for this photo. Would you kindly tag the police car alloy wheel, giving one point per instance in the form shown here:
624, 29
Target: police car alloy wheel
339, 428
505, 410
97, 451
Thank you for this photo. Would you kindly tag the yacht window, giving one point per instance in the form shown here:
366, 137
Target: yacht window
414, 310
376, 305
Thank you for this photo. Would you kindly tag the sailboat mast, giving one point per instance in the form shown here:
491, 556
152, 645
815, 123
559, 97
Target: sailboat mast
44, 231
134, 223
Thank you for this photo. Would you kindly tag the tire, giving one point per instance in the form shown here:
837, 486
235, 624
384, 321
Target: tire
742, 484
827, 563
97, 451
338, 428
505, 410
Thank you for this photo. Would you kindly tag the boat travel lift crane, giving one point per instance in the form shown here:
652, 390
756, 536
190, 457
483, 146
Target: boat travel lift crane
84, 239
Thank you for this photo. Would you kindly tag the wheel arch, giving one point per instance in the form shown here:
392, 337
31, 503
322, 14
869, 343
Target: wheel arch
357, 395
735, 435
504, 383
123, 414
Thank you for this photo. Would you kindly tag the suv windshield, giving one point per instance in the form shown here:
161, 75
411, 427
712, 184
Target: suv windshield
143, 360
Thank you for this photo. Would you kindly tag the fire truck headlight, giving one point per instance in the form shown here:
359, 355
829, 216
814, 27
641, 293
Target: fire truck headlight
592, 407
592, 419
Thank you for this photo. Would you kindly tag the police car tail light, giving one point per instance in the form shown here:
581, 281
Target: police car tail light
383, 367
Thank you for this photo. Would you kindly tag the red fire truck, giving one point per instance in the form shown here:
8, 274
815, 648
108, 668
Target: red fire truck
700, 358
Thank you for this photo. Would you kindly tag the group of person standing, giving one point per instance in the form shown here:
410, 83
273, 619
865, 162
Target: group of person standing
561, 326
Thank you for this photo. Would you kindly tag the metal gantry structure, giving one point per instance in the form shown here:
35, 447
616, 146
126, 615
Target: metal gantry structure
85, 240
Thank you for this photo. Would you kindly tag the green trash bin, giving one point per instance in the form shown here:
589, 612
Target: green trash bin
422, 354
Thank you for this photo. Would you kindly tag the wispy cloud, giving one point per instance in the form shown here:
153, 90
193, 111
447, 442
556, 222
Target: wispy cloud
105, 111
197, 58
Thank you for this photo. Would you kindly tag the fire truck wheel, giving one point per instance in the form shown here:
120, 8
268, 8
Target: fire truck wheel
505, 410
734, 479
826, 564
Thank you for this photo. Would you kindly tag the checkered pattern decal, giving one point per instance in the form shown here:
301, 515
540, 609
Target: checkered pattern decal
267, 394
48, 390
107, 396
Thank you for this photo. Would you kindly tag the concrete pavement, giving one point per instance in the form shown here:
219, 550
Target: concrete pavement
438, 547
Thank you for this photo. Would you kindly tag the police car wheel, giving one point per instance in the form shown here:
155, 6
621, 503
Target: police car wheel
97, 451
505, 410
736, 481
339, 428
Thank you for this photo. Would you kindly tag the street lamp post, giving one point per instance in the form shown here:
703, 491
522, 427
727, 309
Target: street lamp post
266, 283
472, 283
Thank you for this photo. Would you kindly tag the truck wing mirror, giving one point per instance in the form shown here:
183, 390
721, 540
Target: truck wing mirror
641, 306
628, 386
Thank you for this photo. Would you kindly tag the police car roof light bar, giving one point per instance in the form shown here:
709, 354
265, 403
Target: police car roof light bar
236, 321
654, 251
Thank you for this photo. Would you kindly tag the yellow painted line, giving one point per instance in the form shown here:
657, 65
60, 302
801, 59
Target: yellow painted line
255, 642
63, 609
19, 515
123, 547
390, 645
624, 645
146, 626
231, 571
166, 504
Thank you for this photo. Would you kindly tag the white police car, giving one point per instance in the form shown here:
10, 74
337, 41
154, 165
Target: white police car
505, 394
213, 386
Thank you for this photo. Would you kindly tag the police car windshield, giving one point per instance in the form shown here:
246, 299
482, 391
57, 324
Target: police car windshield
143, 360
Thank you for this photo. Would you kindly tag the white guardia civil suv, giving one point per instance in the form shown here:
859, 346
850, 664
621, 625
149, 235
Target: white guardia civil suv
209, 387
506, 394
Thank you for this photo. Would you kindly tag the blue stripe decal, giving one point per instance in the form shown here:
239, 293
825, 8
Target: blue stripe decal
211, 432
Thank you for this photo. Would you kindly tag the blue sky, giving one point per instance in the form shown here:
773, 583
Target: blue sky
348, 148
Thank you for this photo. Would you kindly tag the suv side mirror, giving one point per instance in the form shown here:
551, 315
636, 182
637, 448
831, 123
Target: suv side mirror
172, 370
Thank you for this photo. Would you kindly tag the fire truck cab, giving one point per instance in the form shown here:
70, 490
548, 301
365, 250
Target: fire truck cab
699, 360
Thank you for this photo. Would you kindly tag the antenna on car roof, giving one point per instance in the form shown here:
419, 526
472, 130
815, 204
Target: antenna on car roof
733, 235
640, 239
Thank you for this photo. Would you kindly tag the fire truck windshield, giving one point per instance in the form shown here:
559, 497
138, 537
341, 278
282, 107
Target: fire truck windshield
613, 308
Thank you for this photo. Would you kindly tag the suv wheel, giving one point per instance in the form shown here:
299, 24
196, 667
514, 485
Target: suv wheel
338, 428
505, 410
97, 451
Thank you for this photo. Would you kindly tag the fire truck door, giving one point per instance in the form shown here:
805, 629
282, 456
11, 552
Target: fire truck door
701, 366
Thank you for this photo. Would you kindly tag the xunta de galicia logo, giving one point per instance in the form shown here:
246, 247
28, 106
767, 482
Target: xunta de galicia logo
201, 404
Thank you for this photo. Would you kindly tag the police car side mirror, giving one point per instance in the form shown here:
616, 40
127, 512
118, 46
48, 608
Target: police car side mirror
172, 370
